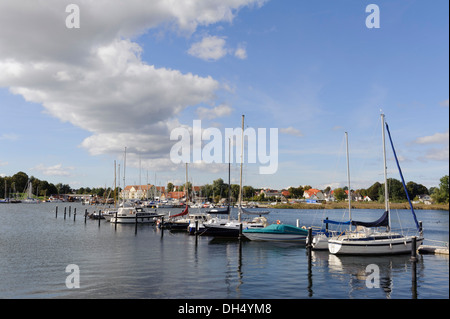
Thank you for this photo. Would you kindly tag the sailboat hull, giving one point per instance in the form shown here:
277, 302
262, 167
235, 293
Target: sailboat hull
380, 245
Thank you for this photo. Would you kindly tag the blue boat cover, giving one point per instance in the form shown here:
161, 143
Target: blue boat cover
382, 221
278, 229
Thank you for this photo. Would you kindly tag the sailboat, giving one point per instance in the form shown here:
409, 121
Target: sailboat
320, 238
29, 191
128, 214
232, 228
367, 239
179, 221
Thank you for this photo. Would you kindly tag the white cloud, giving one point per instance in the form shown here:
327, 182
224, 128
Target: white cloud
218, 111
9, 137
94, 76
441, 154
291, 131
210, 48
241, 52
55, 170
438, 138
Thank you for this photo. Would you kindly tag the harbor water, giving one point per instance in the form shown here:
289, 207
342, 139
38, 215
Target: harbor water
38, 249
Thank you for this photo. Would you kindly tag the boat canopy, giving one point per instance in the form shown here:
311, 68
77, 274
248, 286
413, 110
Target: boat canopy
329, 221
245, 211
382, 221
278, 229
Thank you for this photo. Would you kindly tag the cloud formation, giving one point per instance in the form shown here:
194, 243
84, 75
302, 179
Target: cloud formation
94, 77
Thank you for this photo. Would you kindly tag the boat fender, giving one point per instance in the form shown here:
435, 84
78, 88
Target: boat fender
278, 222
303, 227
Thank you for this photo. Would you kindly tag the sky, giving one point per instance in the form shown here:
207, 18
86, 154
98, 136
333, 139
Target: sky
80, 84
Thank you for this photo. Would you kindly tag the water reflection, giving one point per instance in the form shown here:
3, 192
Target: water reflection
364, 274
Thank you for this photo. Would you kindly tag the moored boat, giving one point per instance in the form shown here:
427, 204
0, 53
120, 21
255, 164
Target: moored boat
132, 215
277, 232
366, 239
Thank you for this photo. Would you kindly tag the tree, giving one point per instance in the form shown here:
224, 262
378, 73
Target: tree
20, 181
339, 194
441, 194
170, 187
374, 191
416, 189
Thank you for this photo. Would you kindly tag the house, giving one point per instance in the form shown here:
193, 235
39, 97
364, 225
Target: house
367, 199
271, 193
141, 191
312, 192
426, 199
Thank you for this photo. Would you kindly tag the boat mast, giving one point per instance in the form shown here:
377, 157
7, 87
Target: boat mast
229, 180
348, 179
386, 193
124, 166
242, 160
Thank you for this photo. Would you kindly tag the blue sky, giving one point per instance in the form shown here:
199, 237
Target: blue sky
71, 100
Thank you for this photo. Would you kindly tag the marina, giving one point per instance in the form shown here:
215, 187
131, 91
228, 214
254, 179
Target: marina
125, 261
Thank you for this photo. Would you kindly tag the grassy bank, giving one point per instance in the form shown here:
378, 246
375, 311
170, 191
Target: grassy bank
361, 205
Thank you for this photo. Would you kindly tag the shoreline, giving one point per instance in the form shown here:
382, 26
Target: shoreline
358, 205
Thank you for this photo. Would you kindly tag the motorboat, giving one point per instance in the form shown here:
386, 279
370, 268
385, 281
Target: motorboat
133, 215
277, 232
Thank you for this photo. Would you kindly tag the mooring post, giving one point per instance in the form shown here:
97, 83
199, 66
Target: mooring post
115, 222
240, 231
135, 223
85, 215
70, 208
414, 249
74, 213
99, 217
56, 213
65, 212
309, 244
196, 227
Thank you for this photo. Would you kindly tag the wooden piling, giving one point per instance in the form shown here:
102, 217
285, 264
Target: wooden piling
310, 237
240, 231
135, 224
196, 228
70, 208
115, 222
74, 213
85, 215
56, 212
414, 249
99, 217
65, 208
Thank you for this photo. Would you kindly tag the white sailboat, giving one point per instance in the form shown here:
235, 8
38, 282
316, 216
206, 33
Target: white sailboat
320, 238
30, 198
366, 239
232, 227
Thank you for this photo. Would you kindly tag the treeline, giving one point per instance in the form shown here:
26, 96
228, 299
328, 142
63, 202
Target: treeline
395, 187
15, 186
218, 189
12, 186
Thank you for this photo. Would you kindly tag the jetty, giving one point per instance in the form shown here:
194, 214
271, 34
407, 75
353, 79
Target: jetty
436, 250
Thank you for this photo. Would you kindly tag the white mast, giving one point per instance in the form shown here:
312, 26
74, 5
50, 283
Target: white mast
242, 160
349, 189
386, 193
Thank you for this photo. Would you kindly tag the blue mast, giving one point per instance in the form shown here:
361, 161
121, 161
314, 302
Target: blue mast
403, 181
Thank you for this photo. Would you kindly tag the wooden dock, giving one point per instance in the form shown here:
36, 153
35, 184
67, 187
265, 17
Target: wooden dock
437, 250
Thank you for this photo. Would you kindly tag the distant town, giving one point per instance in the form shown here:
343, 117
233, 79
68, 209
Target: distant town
22, 187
